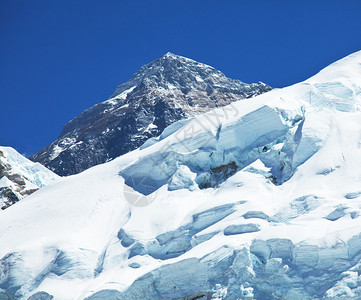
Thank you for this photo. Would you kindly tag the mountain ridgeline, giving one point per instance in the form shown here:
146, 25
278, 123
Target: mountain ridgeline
168, 89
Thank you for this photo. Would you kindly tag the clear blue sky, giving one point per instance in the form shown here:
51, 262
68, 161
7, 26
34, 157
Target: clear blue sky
59, 57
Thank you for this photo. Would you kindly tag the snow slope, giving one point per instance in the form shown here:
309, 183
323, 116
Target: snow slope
259, 199
20, 177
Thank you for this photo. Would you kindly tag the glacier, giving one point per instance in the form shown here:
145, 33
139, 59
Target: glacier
20, 177
259, 199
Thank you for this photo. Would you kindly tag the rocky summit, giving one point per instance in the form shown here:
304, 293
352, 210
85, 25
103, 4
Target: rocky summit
168, 89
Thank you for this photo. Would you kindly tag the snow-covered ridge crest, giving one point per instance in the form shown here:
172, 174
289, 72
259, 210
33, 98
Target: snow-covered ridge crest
260, 199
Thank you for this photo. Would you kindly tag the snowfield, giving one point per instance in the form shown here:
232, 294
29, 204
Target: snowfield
260, 199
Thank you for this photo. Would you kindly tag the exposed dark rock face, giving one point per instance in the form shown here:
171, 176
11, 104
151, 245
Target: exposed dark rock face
166, 90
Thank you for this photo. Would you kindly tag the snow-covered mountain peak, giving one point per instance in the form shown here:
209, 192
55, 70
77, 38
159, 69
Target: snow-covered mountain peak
169, 59
173, 70
172, 56
162, 92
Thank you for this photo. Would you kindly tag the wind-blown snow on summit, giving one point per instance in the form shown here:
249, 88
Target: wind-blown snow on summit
260, 199
166, 90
